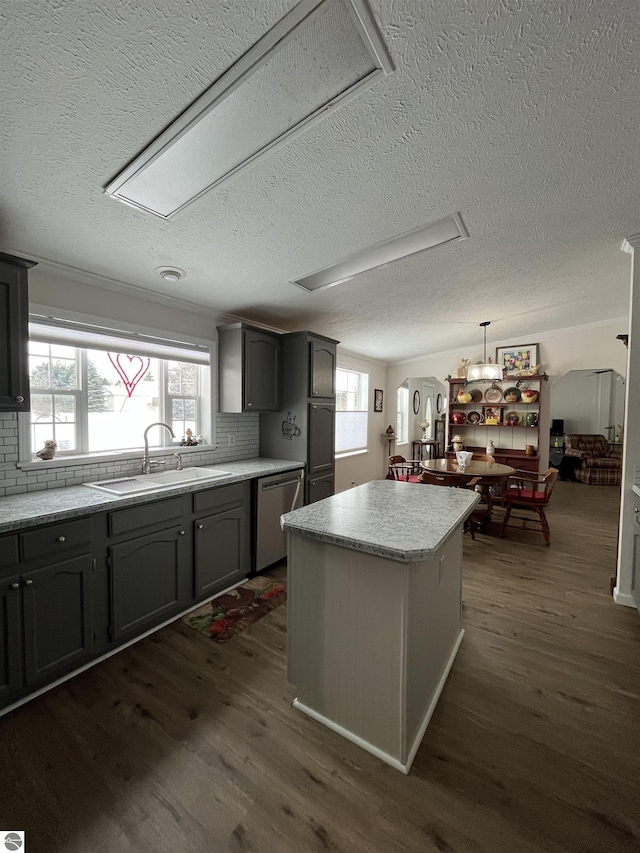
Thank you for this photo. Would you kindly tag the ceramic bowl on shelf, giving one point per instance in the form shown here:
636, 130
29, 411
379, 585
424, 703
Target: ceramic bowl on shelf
476, 395
529, 395
474, 418
513, 419
458, 418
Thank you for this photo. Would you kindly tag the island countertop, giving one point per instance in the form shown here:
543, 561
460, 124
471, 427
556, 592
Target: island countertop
391, 519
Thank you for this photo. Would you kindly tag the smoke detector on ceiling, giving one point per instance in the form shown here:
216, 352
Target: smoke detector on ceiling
170, 274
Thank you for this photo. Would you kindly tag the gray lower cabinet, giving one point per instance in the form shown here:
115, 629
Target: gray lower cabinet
10, 637
46, 627
219, 551
221, 538
56, 608
150, 578
75, 590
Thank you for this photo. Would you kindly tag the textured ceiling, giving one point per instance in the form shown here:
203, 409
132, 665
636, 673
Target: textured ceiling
523, 116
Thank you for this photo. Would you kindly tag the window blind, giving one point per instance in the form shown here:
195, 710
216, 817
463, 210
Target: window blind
65, 333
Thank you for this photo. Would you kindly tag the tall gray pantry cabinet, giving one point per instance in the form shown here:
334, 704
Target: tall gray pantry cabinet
304, 430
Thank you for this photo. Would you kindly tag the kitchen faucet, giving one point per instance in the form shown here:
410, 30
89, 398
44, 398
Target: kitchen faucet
147, 463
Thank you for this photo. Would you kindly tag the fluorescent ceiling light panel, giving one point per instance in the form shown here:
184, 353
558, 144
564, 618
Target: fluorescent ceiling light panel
319, 54
444, 231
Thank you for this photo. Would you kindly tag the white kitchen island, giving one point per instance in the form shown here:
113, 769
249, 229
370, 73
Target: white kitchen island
374, 610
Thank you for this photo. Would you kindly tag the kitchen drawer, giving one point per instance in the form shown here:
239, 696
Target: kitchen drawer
48, 541
8, 551
145, 515
218, 499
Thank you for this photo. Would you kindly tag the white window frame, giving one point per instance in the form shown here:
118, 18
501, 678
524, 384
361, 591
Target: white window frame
157, 337
364, 407
402, 415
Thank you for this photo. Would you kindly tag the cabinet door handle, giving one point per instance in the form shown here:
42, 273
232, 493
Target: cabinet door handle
19, 399
28, 583
249, 404
180, 532
15, 586
62, 538
201, 527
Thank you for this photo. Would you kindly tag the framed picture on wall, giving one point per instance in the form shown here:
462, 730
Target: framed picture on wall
516, 359
377, 400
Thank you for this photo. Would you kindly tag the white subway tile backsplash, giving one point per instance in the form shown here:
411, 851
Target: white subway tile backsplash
244, 429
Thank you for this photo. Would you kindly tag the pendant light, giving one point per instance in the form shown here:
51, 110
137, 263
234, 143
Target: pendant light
486, 371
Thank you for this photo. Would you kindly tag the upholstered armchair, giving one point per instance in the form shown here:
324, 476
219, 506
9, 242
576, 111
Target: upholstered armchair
599, 465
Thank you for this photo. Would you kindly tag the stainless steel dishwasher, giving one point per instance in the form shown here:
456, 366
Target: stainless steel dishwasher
276, 495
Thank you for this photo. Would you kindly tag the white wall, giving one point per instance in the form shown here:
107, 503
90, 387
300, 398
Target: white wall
371, 465
589, 401
631, 457
46, 288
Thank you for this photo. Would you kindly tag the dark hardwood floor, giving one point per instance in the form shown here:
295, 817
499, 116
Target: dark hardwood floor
182, 744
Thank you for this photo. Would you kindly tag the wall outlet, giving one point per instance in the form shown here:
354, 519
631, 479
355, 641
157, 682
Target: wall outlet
232, 440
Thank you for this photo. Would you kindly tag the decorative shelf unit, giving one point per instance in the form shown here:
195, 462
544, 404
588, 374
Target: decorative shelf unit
510, 437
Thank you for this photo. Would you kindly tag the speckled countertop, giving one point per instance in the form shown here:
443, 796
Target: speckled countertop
399, 521
33, 508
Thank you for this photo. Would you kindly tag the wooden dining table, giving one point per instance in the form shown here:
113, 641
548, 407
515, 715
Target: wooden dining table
489, 472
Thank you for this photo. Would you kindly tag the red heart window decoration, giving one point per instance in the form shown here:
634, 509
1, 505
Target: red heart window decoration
130, 368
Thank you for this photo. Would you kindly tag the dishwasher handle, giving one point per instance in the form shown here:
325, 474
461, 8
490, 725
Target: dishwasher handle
280, 484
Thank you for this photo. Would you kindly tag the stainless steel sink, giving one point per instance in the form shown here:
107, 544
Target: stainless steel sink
153, 482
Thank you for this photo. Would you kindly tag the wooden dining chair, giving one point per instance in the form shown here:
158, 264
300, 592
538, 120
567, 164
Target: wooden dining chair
400, 467
529, 492
480, 516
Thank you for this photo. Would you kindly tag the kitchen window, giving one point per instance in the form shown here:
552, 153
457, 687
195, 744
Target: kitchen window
95, 391
352, 393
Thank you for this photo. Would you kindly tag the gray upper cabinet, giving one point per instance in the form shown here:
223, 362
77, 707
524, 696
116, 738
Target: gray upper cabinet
249, 367
14, 333
322, 362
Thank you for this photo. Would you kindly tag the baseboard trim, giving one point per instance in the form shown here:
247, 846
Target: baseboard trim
623, 598
374, 750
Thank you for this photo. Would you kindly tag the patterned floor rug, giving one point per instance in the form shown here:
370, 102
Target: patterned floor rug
227, 615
